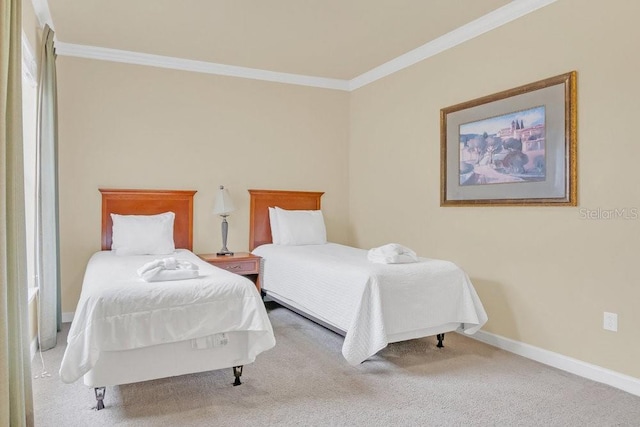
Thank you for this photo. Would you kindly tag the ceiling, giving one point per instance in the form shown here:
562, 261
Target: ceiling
338, 39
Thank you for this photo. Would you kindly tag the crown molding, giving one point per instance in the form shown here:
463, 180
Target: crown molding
492, 20
116, 55
488, 22
41, 8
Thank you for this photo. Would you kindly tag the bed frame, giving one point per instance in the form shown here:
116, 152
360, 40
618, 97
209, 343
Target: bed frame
149, 202
166, 357
261, 200
260, 233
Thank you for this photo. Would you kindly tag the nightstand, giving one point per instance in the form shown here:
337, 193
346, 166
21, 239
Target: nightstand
242, 263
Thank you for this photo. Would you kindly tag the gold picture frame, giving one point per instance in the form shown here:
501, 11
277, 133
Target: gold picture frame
512, 148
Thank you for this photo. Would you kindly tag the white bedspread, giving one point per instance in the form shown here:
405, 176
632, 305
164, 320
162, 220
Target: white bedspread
118, 310
372, 302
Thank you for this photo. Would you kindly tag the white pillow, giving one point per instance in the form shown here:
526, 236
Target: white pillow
143, 234
301, 227
275, 230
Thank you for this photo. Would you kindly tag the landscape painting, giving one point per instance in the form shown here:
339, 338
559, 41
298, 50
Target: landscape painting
512, 148
506, 149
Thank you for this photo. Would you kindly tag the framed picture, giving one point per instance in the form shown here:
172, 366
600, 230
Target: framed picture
516, 147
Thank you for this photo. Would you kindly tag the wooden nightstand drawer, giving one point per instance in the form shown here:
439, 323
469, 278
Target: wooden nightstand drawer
241, 267
242, 263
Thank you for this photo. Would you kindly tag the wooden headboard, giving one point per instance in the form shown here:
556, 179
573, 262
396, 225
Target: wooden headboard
262, 200
150, 202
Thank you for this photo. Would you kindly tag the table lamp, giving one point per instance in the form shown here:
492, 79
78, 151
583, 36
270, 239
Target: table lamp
223, 206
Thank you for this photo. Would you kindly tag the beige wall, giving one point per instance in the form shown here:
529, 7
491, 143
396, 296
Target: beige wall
128, 126
544, 274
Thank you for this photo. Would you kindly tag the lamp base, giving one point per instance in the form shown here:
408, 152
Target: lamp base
224, 253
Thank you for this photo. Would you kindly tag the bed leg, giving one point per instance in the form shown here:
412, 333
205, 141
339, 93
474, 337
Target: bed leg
237, 372
100, 391
440, 339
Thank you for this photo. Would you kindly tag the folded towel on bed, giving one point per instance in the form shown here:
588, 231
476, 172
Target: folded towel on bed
167, 269
169, 263
392, 253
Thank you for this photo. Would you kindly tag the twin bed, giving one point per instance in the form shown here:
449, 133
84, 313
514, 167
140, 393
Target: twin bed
337, 286
127, 330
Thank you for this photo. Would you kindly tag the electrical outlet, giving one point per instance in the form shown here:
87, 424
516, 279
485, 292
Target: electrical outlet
610, 322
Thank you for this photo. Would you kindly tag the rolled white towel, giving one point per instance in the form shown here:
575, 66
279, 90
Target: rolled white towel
392, 253
169, 263
162, 275
156, 263
168, 269
186, 265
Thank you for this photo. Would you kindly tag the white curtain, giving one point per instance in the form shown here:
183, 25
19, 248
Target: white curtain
47, 242
16, 403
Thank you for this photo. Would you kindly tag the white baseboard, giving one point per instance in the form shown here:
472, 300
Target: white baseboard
67, 317
565, 363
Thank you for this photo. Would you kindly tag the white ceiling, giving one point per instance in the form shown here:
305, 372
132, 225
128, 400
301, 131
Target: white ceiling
327, 39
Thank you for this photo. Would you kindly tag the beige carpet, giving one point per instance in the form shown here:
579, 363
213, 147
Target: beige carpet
305, 381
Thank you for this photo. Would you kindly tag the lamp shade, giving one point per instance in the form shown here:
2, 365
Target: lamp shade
223, 204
